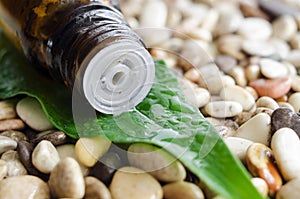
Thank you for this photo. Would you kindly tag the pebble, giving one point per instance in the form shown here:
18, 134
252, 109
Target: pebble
6, 144
267, 102
45, 156
102, 172
66, 180
230, 125
261, 27
145, 186
282, 48
284, 27
272, 69
273, 88
257, 129
261, 185
31, 112
239, 76
286, 105
290, 190
238, 146
238, 94
252, 72
225, 63
285, 117
260, 164
211, 21
14, 166
53, 136
95, 189
223, 109
292, 71
27, 186
258, 48
3, 169
159, 163
68, 150
179, 190
15, 135
90, 150
294, 57
231, 45
295, 41
11, 124
24, 150
294, 100
193, 75
202, 97
263, 110
147, 19
7, 109
286, 146
296, 83
252, 11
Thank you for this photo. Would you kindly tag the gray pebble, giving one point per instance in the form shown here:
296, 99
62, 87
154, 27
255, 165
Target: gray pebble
285, 117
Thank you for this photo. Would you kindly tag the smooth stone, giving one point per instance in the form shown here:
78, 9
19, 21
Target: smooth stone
3, 169
272, 69
294, 100
250, 10
252, 72
45, 156
24, 150
285, 117
201, 34
68, 150
180, 190
27, 186
15, 135
225, 63
14, 166
286, 146
147, 19
94, 188
223, 109
261, 27
145, 186
238, 146
258, 48
261, 185
284, 27
286, 105
257, 129
7, 144
267, 102
103, 172
192, 75
90, 150
31, 112
157, 162
230, 125
296, 83
54, 136
231, 45
295, 41
290, 190
66, 180
194, 94
238, 94
7, 109
273, 88
11, 124
238, 74
294, 57
282, 48
211, 21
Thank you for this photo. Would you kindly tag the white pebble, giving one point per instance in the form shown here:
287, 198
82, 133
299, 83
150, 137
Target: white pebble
282, 48
257, 129
272, 69
267, 102
255, 29
296, 83
157, 20
290, 190
294, 100
294, 57
238, 146
31, 112
286, 146
223, 109
45, 156
285, 27
258, 48
6, 144
238, 94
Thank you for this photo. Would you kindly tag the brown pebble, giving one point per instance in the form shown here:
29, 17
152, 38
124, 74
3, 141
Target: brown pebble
15, 135
274, 88
253, 11
55, 137
11, 124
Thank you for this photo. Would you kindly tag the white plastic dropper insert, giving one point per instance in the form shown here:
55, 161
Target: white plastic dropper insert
118, 77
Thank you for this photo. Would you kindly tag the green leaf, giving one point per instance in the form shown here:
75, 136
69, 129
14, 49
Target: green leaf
164, 119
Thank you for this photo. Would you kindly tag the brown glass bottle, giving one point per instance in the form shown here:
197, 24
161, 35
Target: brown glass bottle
84, 40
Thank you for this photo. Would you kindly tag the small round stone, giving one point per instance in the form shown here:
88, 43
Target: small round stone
145, 186
31, 112
11, 124
103, 172
267, 102
14, 166
294, 100
29, 187
54, 136
272, 69
225, 63
223, 109
95, 189
90, 150
45, 156
286, 146
7, 144
261, 27
290, 190
15, 135
273, 88
252, 72
66, 180
296, 83
294, 57
159, 163
258, 48
238, 146
261, 185
7, 109
257, 129
285, 27
180, 190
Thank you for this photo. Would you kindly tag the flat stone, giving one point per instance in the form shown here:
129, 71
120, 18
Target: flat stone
7, 109
27, 186
223, 109
31, 112
15, 135
272, 69
258, 48
261, 27
11, 124
294, 57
